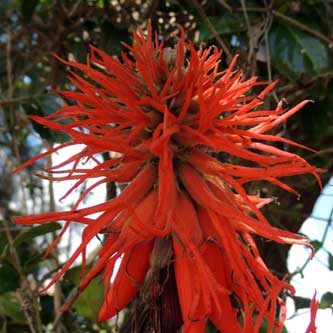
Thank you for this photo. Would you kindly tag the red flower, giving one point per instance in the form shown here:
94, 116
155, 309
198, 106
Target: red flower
313, 309
169, 113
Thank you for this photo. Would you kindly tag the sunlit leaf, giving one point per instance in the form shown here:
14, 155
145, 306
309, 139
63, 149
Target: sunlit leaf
4, 327
100, 3
33, 232
10, 307
326, 300
90, 301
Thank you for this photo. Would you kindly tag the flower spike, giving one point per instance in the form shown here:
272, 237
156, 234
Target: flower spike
184, 222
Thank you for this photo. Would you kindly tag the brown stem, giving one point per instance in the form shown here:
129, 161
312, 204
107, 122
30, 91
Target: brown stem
211, 27
25, 294
18, 99
111, 190
289, 20
57, 288
303, 27
13, 126
225, 5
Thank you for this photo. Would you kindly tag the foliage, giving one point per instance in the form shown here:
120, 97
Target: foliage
291, 41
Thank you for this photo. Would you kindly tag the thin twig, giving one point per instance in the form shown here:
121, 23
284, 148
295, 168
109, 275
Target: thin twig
268, 56
12, 116
289, 20
328, 14
292, 87
298, 214
49, 274
225, 5
251, 58
319, 153
246, 17
303, 27
55, 262
329, 222
211, 27
9, 66
25, 294
74, 8
18, 99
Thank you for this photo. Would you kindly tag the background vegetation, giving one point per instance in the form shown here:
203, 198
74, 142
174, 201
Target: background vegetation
291, 41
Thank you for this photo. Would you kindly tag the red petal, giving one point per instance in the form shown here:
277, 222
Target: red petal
132, 271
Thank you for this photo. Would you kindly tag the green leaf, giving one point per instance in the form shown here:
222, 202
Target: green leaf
7, 7
9, 279
112, 38
224, 24
3, 244
210, 327
173, 2
47, 309
10, 307
295, 52
4, 251
326, 301
100, 3
50, 103
316, 244
45, 106
32, 262
264, 327
90, 301
315, 117
28, 8
330, 261
301, 302
4, 327
36, 231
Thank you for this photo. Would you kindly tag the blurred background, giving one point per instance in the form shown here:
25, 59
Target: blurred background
289, 41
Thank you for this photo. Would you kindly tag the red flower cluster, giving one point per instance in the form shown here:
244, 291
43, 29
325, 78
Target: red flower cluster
176, 121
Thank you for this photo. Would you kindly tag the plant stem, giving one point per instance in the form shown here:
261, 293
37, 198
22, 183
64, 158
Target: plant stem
25, 294
211, 27
290, 20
